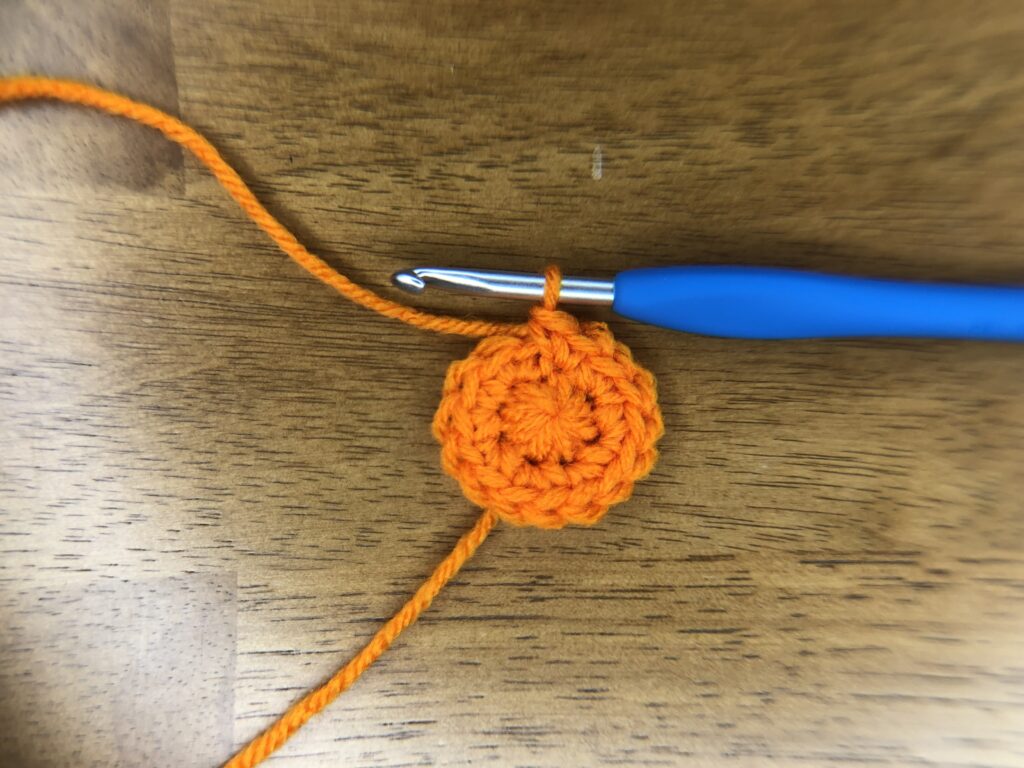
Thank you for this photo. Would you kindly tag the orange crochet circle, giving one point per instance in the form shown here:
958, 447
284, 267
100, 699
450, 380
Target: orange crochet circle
550, 428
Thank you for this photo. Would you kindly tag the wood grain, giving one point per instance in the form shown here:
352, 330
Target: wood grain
218, 478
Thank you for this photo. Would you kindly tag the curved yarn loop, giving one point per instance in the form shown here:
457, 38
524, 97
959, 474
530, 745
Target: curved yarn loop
546, 423
552, 287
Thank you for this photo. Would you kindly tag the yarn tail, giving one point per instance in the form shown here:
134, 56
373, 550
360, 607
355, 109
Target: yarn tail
267, 742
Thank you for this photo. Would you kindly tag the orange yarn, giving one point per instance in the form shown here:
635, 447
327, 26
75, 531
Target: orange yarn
545, 423
26, 88
272, 738
552, 428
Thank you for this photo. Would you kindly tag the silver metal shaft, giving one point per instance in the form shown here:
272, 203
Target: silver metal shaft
507, 285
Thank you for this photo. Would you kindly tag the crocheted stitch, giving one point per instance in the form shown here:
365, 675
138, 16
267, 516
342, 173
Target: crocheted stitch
551, 428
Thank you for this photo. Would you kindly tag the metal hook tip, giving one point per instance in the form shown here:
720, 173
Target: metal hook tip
408, 280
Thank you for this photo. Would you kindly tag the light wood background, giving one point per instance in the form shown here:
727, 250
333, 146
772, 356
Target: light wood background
218, 476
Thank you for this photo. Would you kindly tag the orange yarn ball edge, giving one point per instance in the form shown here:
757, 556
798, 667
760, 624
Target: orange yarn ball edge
550, 428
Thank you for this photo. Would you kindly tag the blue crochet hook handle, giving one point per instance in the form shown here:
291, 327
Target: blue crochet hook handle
765, 303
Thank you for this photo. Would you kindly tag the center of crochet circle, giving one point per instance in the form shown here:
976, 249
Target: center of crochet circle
547, 422
549, 428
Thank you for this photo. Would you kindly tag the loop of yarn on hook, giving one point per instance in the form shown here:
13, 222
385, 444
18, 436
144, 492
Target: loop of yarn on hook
550, 428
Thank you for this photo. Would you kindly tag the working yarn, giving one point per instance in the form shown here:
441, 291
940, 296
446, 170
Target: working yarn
545, 423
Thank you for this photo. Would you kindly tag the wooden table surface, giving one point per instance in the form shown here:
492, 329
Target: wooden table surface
218, 476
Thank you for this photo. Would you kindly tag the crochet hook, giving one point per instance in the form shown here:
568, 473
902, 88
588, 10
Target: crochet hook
764, 303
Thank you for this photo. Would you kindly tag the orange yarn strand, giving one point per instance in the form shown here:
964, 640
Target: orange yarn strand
547, 423
268, 741
30, 88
